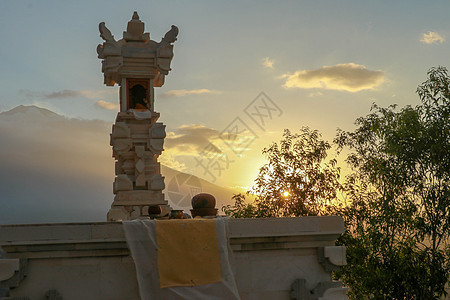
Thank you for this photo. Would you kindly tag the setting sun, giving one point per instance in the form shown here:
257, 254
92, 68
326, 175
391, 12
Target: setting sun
286, 194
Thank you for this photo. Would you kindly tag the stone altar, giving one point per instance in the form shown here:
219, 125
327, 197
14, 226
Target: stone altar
137, 64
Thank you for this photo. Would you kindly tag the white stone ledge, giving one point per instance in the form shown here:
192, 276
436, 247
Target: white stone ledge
263, 227
269, 255
108, 239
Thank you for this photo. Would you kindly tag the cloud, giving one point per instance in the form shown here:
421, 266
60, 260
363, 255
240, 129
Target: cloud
192, 139
199, 140
168, 159
432, 38
107, 105
182, 93
100, 94
315, 94
62, 94
349, 77
268, 63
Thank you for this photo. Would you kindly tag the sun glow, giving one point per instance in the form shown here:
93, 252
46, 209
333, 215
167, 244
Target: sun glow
285, 194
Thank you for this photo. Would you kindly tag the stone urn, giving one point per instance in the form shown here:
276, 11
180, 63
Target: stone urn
154, 211
203, 200
203, 205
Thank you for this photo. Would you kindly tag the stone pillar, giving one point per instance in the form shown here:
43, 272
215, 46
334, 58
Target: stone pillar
137, 64
137, 143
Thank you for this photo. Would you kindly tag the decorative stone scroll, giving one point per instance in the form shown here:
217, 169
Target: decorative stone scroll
137, 64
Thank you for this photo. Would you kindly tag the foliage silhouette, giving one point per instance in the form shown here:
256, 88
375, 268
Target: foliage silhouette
294, 182
397, 198
398, 217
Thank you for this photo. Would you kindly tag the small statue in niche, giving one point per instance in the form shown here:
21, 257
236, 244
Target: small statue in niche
139, 97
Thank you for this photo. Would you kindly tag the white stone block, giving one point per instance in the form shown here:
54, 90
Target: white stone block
8, 267
122, 183
336, 255
157, 182
140, 150
139, 197
122, 145
156, 145
158, 131
136, 212
117, 214
339, 293
140, 180
144, 210
120, 130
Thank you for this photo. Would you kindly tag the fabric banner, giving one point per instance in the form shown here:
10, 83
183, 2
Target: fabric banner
188, 253
141, 236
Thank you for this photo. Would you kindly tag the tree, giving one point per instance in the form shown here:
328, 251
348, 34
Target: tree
398, 217
397, 197
294, 182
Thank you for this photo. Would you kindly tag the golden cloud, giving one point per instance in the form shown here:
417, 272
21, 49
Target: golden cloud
268, 63
107, 105
99, 94
182, 93
192, 139
349, 77
61, 94
432, 38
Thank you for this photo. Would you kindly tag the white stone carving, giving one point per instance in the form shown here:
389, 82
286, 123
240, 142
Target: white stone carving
135, 54
137, 138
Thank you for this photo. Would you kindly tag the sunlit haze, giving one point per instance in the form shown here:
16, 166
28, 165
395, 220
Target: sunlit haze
242, 72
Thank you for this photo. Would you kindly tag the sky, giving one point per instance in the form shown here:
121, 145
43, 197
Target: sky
249, 67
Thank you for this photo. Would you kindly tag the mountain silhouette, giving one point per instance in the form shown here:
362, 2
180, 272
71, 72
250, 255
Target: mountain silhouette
56, 169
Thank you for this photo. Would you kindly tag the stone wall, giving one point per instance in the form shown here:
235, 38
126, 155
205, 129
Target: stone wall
272, 259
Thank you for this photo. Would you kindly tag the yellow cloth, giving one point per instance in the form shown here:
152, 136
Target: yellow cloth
188, 254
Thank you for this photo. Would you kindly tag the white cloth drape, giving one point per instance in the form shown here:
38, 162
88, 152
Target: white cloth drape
142, 115
141, 239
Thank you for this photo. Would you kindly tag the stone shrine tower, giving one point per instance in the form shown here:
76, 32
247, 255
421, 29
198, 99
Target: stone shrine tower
137, 64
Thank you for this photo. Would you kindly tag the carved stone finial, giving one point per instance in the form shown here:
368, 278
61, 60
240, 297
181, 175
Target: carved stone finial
135, 30
135, 56
170, 36
105, 33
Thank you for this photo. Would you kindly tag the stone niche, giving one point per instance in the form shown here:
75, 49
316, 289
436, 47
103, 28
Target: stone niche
137, 64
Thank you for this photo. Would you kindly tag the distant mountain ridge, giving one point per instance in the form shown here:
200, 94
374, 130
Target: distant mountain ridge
31, 112
59, 169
